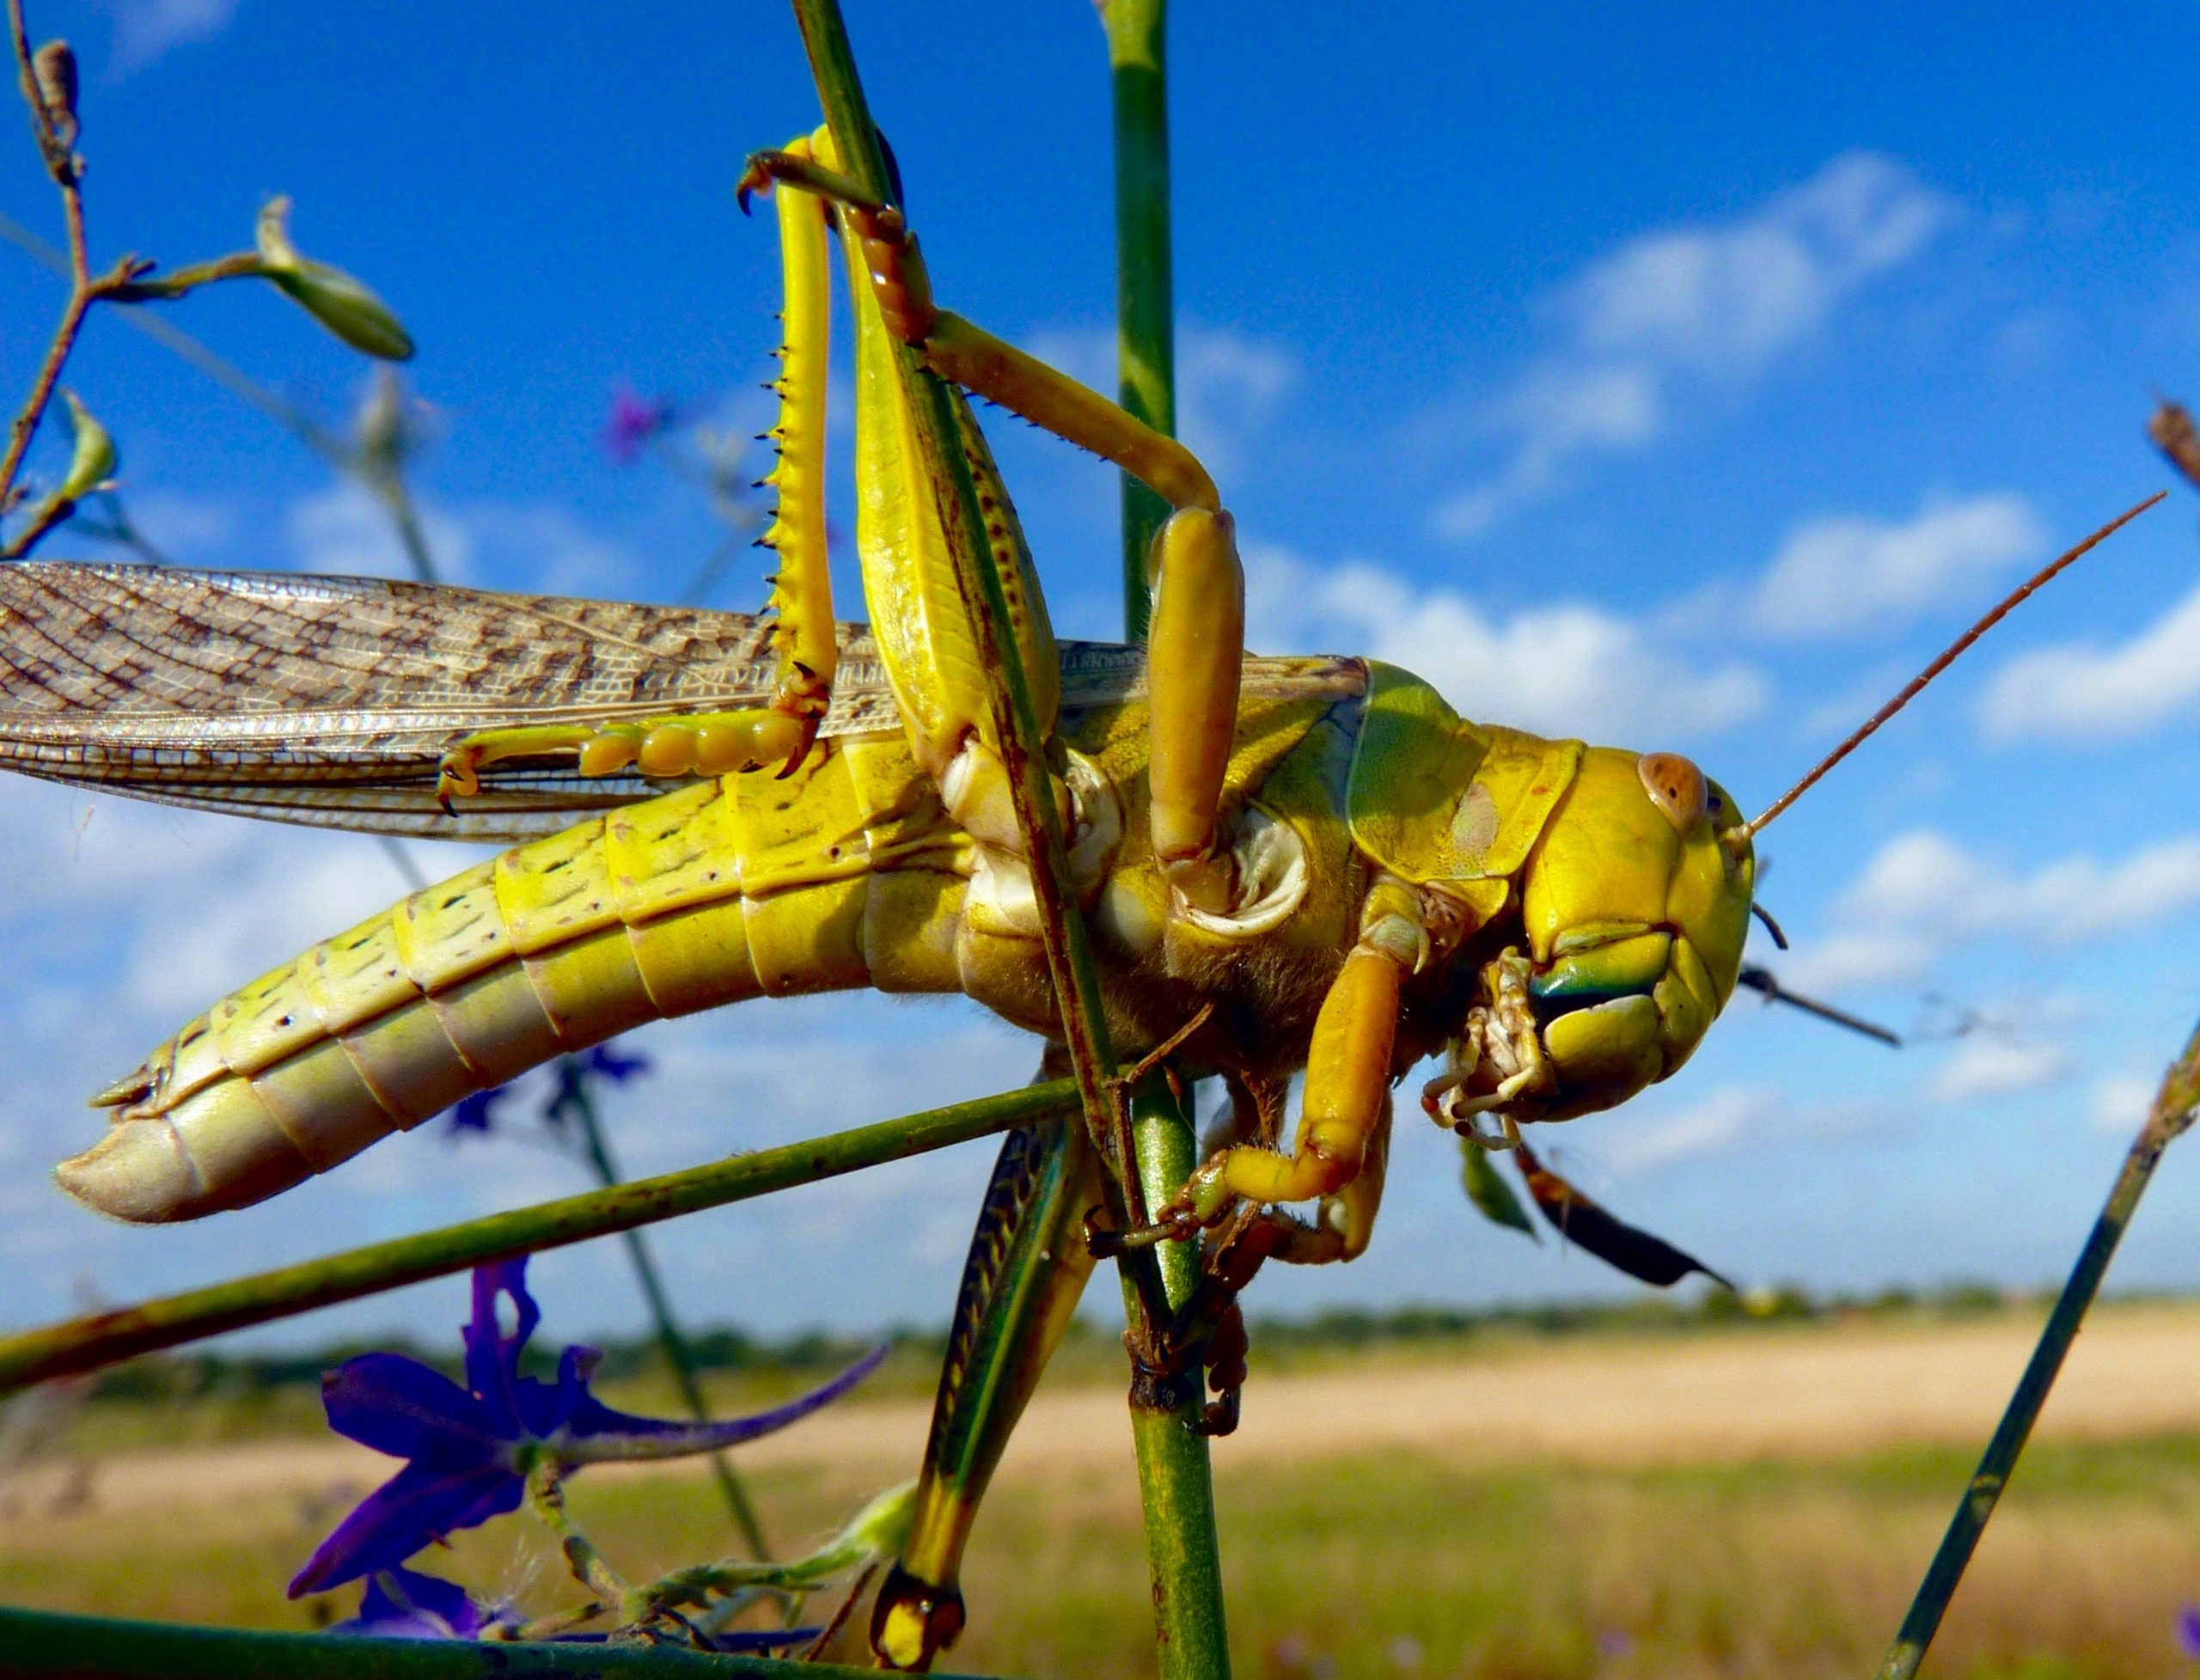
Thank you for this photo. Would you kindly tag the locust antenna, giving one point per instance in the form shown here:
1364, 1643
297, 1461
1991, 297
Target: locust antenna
1947, 657
1764, 980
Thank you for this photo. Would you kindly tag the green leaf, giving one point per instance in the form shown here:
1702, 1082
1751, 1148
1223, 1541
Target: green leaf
93, 461
1492, 1196
339, 301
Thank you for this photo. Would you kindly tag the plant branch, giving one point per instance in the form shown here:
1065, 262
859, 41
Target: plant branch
106, 1338
39, 1644
63, 166
1176, 1475
677, 1356
545, 1498
2173, 1112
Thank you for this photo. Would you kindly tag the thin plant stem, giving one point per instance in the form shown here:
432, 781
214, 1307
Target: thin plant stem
106, 1338
1145, 330
183, 345
1176, 1476
545, 1498
43, 1644
678, 1357
84, 289
397, 500
2173, 1113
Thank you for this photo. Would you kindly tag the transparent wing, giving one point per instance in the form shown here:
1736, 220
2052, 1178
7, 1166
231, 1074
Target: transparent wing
331, 700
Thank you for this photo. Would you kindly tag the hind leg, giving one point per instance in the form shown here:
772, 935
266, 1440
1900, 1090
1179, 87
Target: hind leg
1197, 637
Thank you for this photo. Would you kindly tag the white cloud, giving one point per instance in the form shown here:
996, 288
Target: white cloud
345, 532
2084, 691
538, 547
1730, 1116
1993, 1067
2122, 1102
146, 30
1834, 576
1567, 668
1923, 894
1691, 308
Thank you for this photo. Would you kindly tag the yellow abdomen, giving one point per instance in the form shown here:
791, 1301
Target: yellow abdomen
844, 874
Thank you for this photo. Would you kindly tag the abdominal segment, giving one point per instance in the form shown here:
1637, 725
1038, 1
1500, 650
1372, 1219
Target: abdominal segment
845, 874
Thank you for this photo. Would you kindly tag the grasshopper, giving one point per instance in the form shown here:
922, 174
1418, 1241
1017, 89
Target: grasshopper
1314, 861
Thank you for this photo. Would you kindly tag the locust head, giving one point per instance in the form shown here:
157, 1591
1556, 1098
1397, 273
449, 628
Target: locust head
1635, 904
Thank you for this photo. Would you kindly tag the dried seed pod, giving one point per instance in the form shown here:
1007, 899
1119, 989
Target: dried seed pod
2176, 436
54, 67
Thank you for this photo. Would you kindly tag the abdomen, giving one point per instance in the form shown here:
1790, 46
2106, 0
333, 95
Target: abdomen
845, 874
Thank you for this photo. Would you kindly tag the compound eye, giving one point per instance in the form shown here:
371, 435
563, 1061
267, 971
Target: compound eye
1675, 787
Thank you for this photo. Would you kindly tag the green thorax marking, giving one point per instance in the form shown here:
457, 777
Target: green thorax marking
1433, 798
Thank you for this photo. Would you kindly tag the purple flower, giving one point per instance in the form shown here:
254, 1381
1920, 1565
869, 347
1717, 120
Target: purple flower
477, 1114
2188, 1631
403, 1604
604, 1060
633, 422
467, 1450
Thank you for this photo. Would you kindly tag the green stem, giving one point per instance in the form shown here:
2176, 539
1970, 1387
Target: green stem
397, 498
1145, 328
545, 1498
102, 1338
677, 1355
82, 1646
1175, 1478
2174, 1111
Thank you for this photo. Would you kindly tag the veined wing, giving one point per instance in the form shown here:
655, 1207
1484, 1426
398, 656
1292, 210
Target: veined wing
331, 700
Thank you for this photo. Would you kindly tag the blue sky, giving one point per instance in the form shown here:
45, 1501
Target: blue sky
1683, 378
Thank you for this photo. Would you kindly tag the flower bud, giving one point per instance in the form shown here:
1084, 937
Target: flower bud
92, 463
54, 67
339, 301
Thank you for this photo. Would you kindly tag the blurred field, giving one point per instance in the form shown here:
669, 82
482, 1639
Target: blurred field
1757, 1502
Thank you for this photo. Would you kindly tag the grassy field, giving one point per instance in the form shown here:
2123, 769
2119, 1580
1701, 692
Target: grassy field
1458, 1551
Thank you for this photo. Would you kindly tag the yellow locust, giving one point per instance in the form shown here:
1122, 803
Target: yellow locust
1314, 858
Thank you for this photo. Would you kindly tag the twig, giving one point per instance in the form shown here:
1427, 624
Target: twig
545, 1495
67, 1647
2173, 1113
106, 1338
669, 1337
85, 288
1175, 1478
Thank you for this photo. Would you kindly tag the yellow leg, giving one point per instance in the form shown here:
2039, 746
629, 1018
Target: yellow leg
1346, 1219
1198, 631
717, 743
1348, 1098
